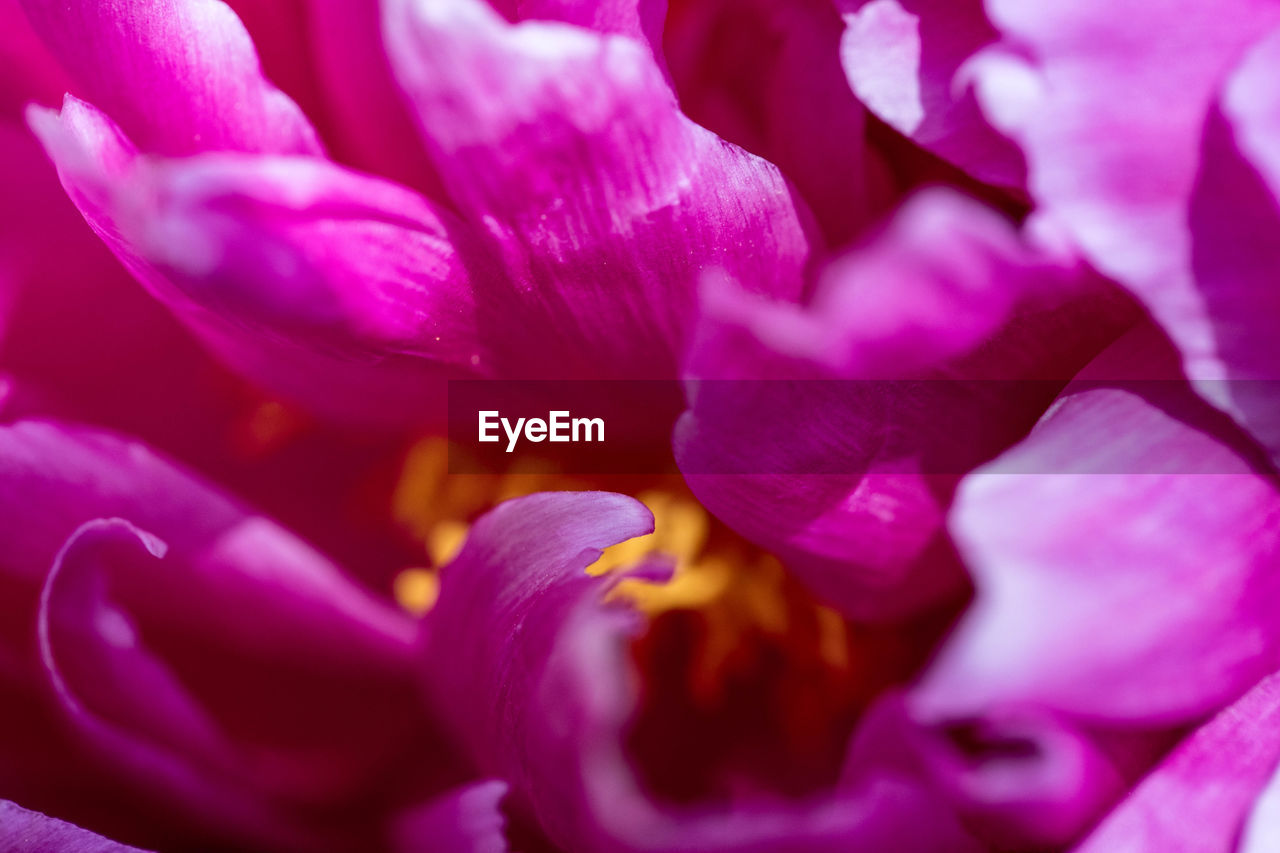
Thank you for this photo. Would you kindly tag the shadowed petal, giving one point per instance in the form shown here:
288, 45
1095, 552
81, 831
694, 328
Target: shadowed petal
903, 59
1235, 226
533, 664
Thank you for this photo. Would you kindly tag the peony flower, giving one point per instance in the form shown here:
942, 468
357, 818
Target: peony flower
967, 307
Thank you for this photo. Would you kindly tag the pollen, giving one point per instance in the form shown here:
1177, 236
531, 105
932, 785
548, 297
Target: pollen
416, 589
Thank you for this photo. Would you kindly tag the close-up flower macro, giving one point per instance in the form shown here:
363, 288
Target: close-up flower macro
640, 426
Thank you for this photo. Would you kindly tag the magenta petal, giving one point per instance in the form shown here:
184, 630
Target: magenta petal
1109, 101
766, 75
27, 71
1128, 541
369, 124
236, 561
22, 831
821, 450
570, 147
1198, 799
233, 673
467, 820
179, 76
1019, 779
1235, 225
88, 643
530, 669
333, 288
903, 58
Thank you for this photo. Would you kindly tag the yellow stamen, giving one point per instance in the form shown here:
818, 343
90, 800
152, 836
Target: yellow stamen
416, 589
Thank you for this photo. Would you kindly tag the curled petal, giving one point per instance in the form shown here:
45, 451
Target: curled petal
1174, 576
570, 147
232, 673
1019, 779
1235, 228
180, 76
904, 60
844, 424
298, 272
89, 645
540, 695
1109, 102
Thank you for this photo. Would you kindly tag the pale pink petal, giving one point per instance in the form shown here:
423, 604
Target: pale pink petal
904, 60
1123, 556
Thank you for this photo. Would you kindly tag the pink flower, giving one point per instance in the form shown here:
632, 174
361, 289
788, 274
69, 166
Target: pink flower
974, 540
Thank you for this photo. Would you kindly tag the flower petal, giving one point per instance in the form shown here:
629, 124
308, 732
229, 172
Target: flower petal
179, 76
904, 58
569, 146
540, 694
844, 425
1109, 103
369, 124
642, 20
89, 645
1235, 227
332, 288
766, 75
1199, 797
467, 820
1020, 779
31, 832
1173, 577
233, 674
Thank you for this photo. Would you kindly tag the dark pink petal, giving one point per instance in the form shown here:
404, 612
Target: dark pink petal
821, 449
124, 700
904, 58
1109, 101
1235, 250
64, 476
531, 669
766, 75
22, 831
27, 71
369, 124
226, 669
569, 146
179, 76
1199, 798
345, 292
1127, 543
